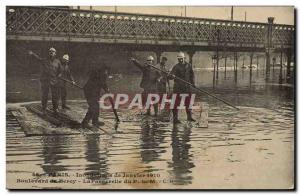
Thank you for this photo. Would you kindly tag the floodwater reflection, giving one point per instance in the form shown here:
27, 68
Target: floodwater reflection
181, 163
54, 151
96, 167
151, 138
235, 145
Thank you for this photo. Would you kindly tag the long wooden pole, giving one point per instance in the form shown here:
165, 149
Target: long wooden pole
190, 84
110, 98
78, 86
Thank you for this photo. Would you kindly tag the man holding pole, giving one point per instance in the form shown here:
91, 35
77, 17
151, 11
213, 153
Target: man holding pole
183, 71
92, 89
66, 75
183, 75
149, 82
51, 70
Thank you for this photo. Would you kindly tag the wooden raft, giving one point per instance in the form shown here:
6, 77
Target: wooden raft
51, 124
66, 122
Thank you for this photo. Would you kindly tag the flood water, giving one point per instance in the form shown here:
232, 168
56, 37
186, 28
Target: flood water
250, 148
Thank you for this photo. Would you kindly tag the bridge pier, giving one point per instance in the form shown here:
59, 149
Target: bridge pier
288, 67
214, 61
251, 59
267, 66
235, 64
269, 46
273, 64
280, 72
243, 69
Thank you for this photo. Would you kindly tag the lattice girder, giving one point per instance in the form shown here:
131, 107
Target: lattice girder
77, 23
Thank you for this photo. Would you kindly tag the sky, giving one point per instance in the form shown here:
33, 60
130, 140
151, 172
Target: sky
282, 14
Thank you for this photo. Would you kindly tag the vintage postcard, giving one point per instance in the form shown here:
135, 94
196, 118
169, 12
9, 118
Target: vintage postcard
150, 97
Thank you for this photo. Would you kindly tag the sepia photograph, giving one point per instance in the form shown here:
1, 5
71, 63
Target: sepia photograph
150, 97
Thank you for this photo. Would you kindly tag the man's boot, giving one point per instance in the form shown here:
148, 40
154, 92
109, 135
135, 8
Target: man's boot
189, 116
97, 124
44, 111
148, 113
64, 104
84, 124
55, 111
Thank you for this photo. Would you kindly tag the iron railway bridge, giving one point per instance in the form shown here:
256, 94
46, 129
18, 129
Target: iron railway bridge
156, 33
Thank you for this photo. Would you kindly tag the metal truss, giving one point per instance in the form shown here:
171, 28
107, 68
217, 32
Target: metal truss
42, 21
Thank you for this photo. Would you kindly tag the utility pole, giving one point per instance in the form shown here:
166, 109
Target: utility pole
231, 13
184, 11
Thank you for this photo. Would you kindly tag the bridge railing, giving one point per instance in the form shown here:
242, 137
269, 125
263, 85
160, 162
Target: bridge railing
44, 21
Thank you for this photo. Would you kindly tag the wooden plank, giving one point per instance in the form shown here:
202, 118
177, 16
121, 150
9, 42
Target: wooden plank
62, 117
35, 109
64, 124
33, 126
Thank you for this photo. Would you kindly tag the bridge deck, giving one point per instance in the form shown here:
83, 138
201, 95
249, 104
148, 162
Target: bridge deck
55, 24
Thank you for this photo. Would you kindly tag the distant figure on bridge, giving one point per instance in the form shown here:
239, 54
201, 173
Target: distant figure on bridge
66, 75
51, 71
182, 70
149, 81
92, 88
